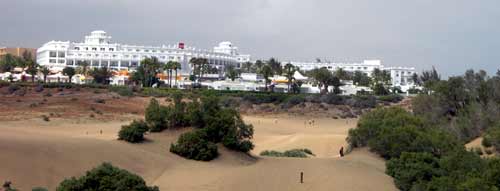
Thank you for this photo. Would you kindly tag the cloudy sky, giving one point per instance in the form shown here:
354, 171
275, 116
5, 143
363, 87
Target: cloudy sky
451, 35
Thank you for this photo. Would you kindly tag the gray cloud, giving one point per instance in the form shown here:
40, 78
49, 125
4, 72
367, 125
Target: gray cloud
452, 35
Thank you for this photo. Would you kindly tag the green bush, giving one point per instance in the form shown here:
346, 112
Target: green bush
393, 98
194, 145
486, 142
411, 168
122, 90
296, 153
106, 177
156, 116
134, 132
492, 137
39, 189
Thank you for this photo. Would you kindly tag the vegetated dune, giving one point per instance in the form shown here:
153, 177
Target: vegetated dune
37, 153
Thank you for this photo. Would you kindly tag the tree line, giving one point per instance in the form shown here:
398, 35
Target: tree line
424, 147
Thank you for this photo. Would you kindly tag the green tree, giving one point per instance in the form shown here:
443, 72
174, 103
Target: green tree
194, 145
324, 78
149, 68
266, 71
231, 72
45, 72
106, 177
361, 79
101, 75
8, 63
156, 116
412, 168
176, 66
32, 69
275, 66
69, 71
289, 72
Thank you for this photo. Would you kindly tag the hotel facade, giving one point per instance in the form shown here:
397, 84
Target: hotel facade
98, 51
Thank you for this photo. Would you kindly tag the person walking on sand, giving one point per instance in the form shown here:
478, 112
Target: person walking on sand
341, 152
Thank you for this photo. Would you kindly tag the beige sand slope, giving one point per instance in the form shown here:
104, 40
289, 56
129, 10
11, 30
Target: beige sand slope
36, 153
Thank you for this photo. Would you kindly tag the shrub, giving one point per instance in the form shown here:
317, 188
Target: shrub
393, 98
492, 137
332, 99
106, 177
39, 88
297, 153
489, 151
39, 189
411, 168
294, 100
13, 88
45, 118
134, 132
100, 101
156, 116
486, 142
122, 90
478, 151
193, 145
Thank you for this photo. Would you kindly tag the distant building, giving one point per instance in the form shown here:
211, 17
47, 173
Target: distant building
98, 51
400, 76
17, 51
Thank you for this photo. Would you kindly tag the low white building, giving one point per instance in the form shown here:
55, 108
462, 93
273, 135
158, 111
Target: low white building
400, 76
98, 51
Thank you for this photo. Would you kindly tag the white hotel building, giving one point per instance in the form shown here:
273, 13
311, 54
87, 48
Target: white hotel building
98, 51
400, 76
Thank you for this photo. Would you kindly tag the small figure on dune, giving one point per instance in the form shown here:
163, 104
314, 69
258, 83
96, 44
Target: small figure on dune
341, 151
101, 131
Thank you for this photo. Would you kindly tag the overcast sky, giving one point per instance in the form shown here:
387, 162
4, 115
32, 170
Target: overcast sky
452, 35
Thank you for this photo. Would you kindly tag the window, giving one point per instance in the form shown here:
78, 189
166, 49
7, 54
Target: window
61, 54
86, 48
124, 64
52, 60
111, 49
103, 49
94, 49
61, 61
134, 64
52, 54
77, 48
146, 50
69, 62
153, 51
114, 63
104, 63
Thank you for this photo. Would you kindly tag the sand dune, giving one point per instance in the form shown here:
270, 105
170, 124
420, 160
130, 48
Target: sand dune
37, 153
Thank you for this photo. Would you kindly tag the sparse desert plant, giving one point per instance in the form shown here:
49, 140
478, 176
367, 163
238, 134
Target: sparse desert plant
45, 118
74, 99
133, 133
91, 115
193, 145
106, 177
39, 88
99, 100
13, 88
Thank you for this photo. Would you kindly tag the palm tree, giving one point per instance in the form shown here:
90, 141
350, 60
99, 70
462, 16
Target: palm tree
289, 72
32, 69
45, 72
176, 66
198, 66
266, 72
149, 68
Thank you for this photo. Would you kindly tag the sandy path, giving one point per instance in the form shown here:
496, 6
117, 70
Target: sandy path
37, 153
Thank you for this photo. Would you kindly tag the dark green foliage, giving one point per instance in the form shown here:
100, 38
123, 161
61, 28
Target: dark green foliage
379, 89
101, 75
393, 98
194, 145
69, 71
492, 137
411, 168
156, 116
294, 100
297, 153
122, 90
39, 189
106, 177
134, 132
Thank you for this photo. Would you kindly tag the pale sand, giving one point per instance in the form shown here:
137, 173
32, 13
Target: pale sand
37, 153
